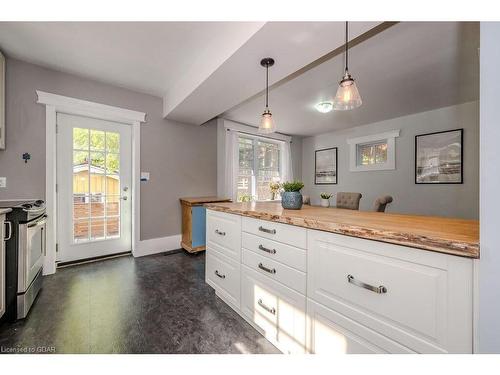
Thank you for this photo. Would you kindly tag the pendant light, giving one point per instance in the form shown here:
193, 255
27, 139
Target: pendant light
266, 122
347, 94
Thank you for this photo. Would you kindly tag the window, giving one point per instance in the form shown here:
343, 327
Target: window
259, 165
373, 152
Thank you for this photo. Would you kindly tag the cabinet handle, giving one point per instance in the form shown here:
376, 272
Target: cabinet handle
8, 224
272, 310
219, 275
377, 289
270, 251
220, 233
264, 268
270, 231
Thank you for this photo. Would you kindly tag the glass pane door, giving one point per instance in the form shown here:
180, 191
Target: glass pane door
96, 185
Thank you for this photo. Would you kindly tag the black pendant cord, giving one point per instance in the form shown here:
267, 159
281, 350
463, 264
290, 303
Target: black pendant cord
267, 85
346, 46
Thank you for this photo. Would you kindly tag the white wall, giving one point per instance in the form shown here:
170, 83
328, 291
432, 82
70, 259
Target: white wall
488, 329
295, 149
443, 200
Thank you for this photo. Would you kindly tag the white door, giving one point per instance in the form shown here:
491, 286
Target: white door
94, 187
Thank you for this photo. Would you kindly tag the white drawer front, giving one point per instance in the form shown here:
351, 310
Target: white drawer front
288, 234
329, 332
286, 254
223, 274
277, 310
417, 301
277, 271
224, 230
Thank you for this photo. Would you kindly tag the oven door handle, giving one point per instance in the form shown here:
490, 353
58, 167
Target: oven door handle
8, 224
39, 222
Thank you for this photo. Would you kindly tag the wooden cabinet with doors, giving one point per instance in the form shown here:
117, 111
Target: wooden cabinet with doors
194, 222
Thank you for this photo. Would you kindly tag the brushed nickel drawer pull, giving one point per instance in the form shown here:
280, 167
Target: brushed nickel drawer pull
219, 275
268, 309
264, 268
377, 289
270, 231
220, 233
270, 251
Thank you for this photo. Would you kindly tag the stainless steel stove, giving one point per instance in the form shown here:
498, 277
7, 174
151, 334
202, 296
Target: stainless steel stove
25, 251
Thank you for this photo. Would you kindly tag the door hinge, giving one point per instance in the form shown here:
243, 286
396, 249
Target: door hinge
56, 188
57, 128
57, 247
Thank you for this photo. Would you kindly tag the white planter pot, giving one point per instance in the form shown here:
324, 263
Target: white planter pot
325, 202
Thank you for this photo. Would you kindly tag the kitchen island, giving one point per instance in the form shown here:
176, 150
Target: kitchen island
326, 280
445, 235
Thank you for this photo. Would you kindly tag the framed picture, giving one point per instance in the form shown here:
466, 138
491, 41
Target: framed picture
439, 157
325, 166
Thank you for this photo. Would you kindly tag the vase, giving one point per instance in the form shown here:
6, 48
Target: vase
325, 202
291, 200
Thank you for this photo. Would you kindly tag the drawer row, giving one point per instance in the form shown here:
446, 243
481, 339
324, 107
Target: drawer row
419, 301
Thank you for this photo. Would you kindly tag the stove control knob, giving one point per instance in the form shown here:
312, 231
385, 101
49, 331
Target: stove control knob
27, 206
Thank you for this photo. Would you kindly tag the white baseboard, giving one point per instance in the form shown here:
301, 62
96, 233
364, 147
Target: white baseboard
157, 245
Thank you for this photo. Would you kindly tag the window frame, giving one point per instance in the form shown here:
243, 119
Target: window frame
253, 180
388, 137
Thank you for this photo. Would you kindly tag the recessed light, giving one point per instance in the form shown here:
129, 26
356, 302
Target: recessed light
324, 107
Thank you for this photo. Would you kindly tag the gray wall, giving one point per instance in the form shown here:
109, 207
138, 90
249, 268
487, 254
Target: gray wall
489, 265
443, 200
182, 159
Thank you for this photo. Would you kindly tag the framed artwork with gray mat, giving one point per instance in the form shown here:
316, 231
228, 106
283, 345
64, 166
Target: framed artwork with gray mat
439, 157
325, 166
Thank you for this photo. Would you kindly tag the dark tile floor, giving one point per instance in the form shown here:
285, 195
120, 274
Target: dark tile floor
154, 304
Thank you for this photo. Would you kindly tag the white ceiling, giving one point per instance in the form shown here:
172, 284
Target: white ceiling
201, 69
149, 57
292, 45
408, 68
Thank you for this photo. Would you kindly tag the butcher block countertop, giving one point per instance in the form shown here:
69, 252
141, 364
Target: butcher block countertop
445, 235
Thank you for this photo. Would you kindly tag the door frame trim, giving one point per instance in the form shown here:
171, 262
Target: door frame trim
64, 104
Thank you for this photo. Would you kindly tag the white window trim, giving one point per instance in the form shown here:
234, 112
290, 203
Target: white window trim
390, 137
63, 104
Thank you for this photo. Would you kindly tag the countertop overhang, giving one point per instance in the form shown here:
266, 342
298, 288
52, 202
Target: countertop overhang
440, 234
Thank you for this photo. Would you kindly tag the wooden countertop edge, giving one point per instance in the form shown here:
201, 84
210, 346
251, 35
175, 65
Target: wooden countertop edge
198, 201
458, 248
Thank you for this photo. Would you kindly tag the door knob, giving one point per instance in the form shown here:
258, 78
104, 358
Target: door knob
124, 198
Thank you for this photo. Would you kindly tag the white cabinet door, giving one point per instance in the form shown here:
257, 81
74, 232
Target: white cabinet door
223, 274
2, 265
224, 233
329, 332
278, 311
420, 299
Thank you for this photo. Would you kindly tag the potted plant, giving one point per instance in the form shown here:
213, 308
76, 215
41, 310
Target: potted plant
325, 199
291, 198
275, 189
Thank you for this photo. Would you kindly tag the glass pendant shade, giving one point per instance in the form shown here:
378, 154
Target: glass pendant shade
347, 95
266, 123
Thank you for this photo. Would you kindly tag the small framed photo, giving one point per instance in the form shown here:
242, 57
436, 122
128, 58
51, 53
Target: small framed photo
325, 166
439, 157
